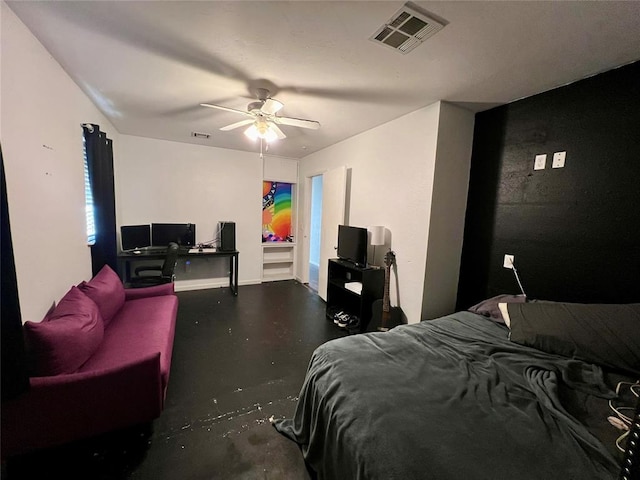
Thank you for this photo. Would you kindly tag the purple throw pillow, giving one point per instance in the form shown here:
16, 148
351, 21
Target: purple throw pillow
107, 291
67, 337
489, 307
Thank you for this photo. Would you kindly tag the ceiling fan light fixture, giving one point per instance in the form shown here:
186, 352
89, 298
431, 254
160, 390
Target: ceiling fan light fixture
263, 121
261, 130
252, 132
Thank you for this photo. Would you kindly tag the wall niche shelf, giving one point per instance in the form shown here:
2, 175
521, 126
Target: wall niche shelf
278, 261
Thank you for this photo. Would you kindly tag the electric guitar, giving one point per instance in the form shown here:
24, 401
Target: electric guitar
385, 316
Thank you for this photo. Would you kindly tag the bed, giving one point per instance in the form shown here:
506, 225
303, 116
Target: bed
467, 397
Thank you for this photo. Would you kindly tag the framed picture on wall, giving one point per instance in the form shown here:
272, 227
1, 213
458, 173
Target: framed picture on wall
276, 211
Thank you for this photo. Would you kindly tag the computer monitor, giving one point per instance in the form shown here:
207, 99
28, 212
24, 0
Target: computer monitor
352, 244
135, 236
164, 233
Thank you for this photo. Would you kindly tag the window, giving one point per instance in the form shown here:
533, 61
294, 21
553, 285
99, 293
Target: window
88, 198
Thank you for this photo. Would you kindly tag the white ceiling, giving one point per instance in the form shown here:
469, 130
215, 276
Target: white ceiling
147, 65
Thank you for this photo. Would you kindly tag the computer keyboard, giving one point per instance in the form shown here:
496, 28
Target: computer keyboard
182, 249
154, 249
202, 250
141, 250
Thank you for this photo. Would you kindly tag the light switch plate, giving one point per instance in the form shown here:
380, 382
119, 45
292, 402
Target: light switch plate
558, 159
540, 162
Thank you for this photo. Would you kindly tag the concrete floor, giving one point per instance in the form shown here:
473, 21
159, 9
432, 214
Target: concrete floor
236, 362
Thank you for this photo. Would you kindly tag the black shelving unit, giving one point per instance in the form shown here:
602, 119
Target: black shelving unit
340, 298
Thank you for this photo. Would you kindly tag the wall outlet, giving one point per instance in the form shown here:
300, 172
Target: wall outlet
540, 162
508, 261
558, 159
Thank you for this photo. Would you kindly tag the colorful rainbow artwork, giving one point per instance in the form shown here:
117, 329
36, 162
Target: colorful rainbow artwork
276, 212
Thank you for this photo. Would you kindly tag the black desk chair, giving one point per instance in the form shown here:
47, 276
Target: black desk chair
149, 275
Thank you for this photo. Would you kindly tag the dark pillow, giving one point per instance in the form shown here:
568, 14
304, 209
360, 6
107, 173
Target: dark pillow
67, 337
489, 308
107, 291
605, 334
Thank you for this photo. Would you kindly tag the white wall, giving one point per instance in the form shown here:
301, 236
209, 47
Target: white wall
411, 176
448, 207
41, 113
391, 174
280, 169
170, 182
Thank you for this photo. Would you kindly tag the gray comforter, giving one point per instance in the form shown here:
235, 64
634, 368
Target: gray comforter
447, 399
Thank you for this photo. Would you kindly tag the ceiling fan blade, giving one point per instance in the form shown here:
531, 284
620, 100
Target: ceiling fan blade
271, 106
228, 109
237, 124
297, 122
276, 129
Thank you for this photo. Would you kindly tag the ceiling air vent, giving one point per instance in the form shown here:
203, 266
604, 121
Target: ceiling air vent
407, 29
200, 135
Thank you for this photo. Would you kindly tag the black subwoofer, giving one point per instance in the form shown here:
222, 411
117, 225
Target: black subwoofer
227, 236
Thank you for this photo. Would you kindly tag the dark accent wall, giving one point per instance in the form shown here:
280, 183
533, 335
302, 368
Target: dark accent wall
574, 231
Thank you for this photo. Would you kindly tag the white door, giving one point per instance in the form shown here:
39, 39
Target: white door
334, 192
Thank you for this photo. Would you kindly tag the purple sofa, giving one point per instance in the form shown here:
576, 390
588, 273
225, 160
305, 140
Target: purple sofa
100, 362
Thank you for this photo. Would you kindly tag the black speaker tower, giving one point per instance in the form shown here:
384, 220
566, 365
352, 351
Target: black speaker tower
227, 238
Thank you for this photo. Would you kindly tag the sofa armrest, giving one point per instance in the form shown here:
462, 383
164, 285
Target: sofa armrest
155, 291
63, 408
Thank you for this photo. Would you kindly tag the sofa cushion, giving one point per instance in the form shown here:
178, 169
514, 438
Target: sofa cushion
67, 337
142, 327
107, 291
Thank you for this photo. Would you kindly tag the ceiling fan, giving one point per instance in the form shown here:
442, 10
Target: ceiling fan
262, 119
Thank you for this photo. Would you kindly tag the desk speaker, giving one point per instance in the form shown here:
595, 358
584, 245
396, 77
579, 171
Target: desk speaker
227, 236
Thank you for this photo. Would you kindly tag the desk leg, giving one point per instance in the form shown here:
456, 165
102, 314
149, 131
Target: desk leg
233, 273
127, 271
124, 269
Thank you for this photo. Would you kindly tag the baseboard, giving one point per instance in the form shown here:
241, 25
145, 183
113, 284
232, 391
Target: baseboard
188, 285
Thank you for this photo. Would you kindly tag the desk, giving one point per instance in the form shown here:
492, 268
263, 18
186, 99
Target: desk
125, 259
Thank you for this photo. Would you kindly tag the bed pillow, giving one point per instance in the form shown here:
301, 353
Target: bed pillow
605, 334
67, 337
107, 290
489, 307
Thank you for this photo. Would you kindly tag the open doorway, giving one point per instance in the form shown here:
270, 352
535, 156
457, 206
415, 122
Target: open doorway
315, 231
